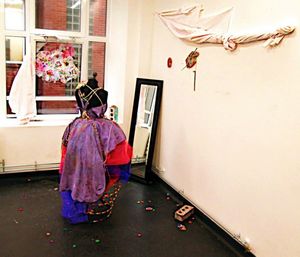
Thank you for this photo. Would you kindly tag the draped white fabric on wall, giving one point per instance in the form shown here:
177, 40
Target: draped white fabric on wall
189, 24
22, 95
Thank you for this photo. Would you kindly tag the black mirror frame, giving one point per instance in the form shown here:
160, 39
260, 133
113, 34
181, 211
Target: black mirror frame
159, 85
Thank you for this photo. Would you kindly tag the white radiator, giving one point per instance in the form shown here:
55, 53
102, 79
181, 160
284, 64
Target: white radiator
30, 148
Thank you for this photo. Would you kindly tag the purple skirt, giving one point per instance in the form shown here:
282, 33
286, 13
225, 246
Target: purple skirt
81, 212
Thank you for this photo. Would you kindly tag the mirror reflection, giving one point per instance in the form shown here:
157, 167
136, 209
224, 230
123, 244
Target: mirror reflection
143, 128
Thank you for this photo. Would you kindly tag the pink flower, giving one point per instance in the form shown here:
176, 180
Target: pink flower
39, 66
50, 72
68, 51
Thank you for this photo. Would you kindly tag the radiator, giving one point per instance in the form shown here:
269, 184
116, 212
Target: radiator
5, 169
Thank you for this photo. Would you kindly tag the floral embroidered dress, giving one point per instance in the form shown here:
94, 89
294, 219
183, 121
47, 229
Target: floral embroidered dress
95, 160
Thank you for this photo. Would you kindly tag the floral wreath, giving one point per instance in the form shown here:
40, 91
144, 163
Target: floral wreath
57, 65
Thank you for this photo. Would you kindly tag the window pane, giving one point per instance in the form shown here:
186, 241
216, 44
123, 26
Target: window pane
146, 117
58, 15
11, 72
96, 61
149, 98
14, 14
97, 21
44, 88
57, 107
14, 48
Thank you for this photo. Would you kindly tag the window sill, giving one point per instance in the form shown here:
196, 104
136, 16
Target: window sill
49, 121
53, 121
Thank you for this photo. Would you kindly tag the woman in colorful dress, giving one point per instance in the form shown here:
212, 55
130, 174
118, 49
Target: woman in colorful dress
95, 159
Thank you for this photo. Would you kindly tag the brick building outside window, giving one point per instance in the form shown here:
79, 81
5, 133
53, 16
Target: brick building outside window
56, 18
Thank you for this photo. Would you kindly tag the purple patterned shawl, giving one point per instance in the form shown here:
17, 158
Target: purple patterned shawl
88, 141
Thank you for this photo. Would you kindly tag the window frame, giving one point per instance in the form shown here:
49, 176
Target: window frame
33, 34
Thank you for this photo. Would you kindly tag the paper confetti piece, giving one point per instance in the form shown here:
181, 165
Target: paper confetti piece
181, 227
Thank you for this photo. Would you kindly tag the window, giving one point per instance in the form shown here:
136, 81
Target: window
79, 23
14, 14
97, 19
14, 51
73, 15
54, 90
146, 106
149, 105
96, 60
67, 15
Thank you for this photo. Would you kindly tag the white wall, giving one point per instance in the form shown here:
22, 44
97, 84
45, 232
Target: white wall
233, 145
139, 48
27, 145
116, 54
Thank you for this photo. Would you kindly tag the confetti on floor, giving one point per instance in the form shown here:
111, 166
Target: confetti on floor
181, 227
149, 209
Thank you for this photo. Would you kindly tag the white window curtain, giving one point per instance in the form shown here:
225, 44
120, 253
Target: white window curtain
22, 95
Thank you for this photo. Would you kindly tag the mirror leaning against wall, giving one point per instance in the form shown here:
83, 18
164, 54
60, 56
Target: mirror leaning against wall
144, 121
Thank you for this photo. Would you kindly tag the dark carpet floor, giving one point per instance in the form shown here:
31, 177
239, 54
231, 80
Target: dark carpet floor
31, 225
